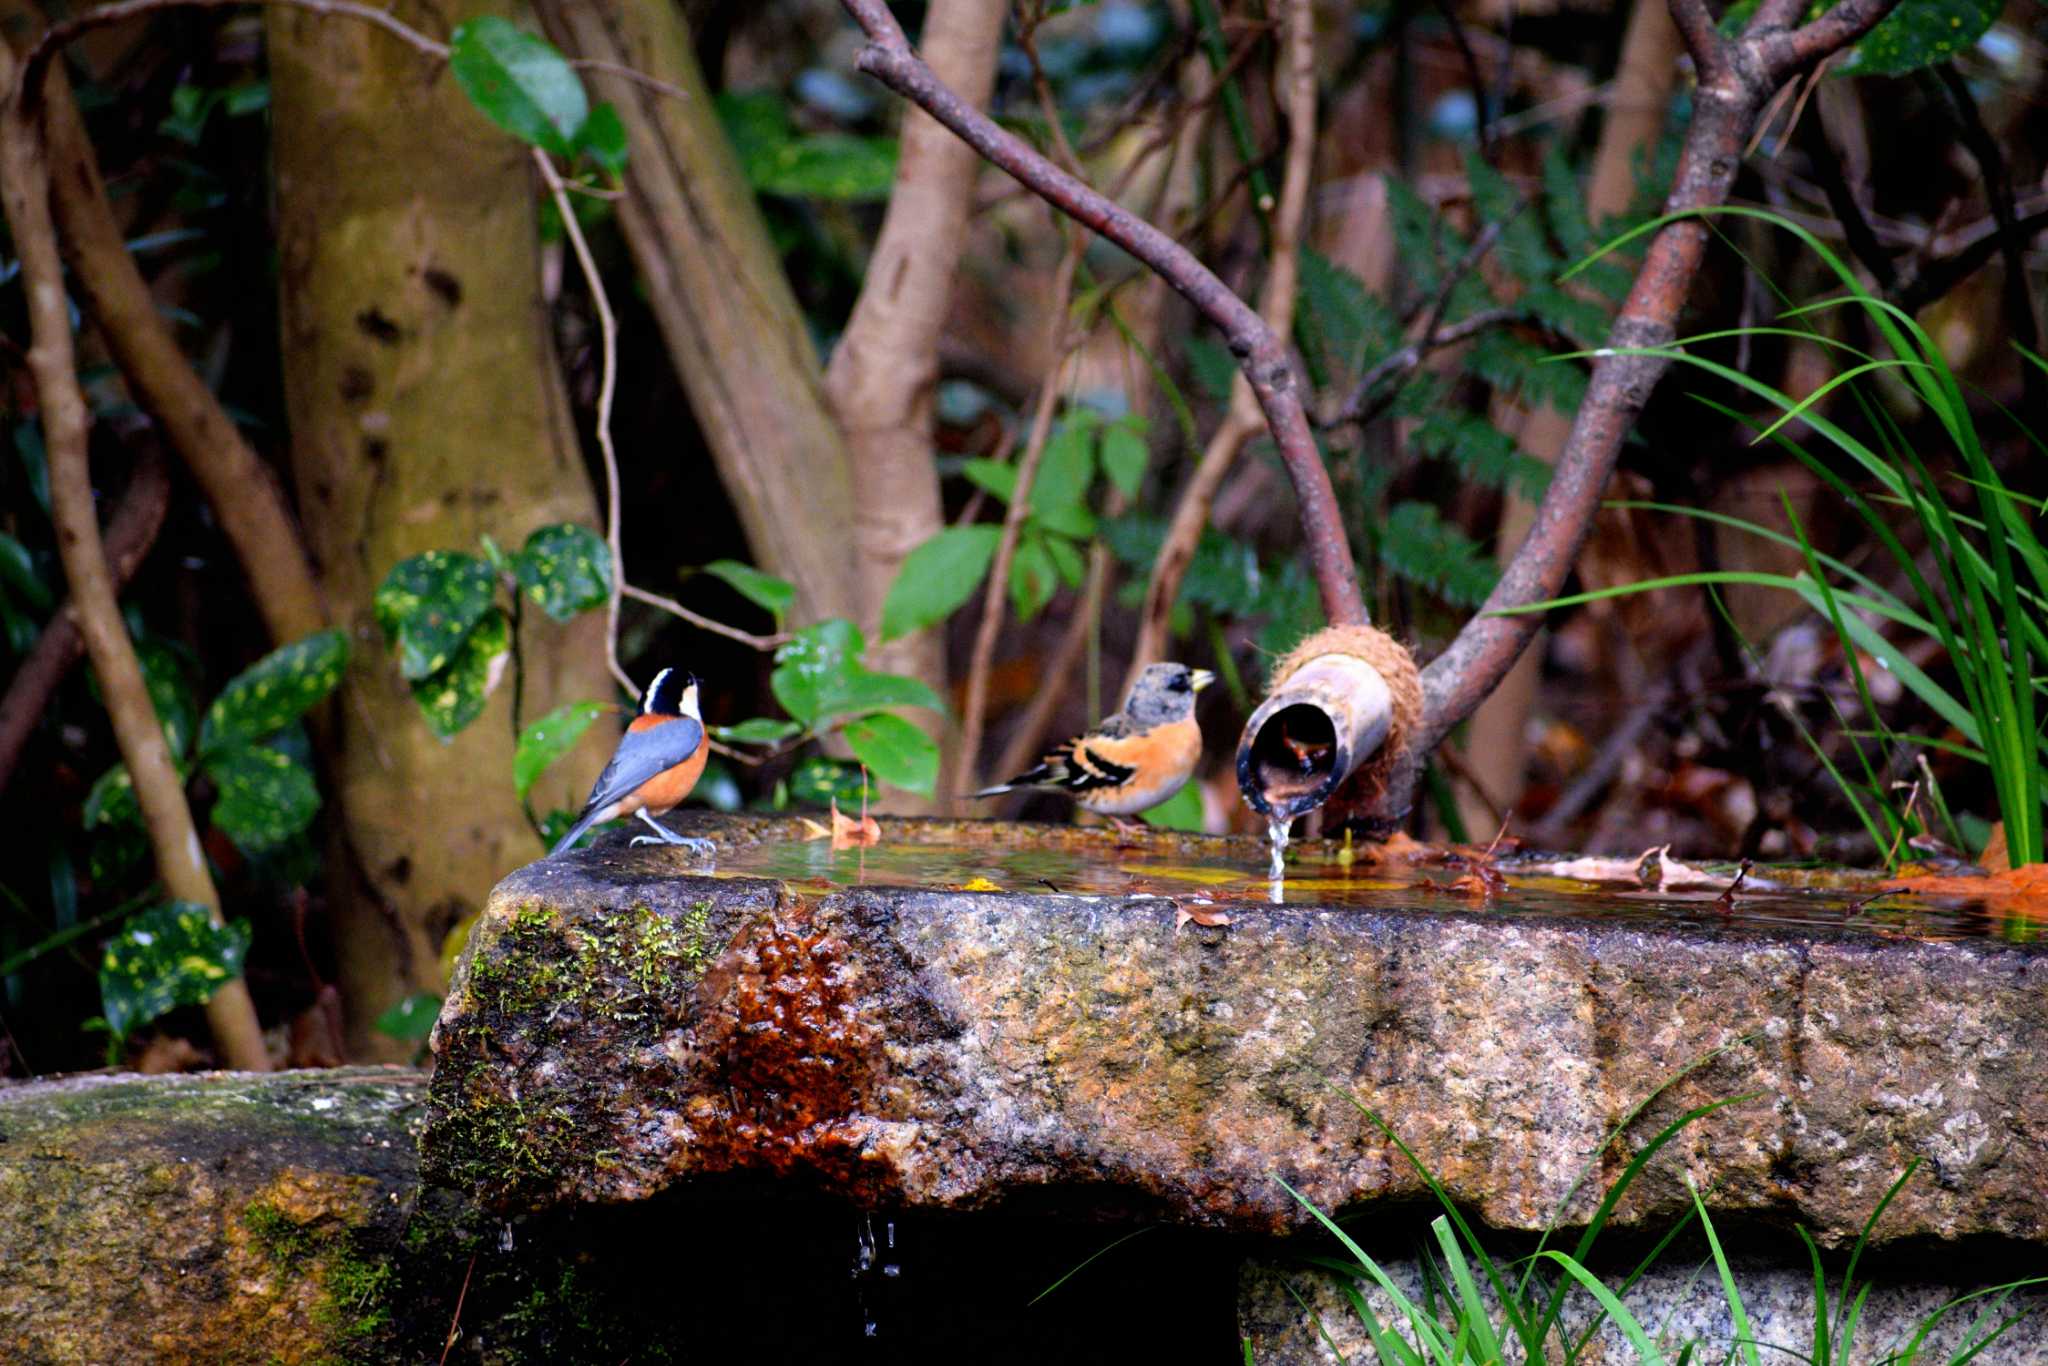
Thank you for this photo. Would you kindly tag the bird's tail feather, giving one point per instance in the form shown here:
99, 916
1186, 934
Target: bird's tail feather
583, 823
996, 791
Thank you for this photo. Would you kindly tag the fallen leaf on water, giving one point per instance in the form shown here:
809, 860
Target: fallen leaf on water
813, 830
1595, 869
2015, 891
1200, 915
977, 884
848, 833
1671, 873
1339, 884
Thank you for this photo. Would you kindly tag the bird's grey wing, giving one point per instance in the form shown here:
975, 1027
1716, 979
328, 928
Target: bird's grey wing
641, 755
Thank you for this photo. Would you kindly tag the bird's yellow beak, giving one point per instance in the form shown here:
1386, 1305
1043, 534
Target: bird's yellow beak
1199, 679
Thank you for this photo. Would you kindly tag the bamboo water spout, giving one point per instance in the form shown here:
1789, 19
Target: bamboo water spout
1339, 708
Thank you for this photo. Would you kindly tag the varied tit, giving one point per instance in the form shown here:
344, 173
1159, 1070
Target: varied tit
658, 761
1136, 758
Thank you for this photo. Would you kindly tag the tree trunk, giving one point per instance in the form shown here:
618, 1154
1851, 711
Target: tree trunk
886, 366
734, 331
427, 410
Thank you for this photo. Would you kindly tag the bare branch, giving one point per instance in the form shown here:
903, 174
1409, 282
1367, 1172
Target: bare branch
1260, 352
974, 708
1295, 78
1696, 25
57, 35
1725, 109
1369, 400
702, 622
159, 791
130, 534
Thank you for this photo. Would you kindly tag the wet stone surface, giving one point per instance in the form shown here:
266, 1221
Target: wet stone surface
855, 1023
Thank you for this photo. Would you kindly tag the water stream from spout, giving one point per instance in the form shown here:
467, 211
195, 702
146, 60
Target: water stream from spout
1276, 837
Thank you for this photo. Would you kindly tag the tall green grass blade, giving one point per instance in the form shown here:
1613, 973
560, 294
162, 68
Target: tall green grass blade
1520, 1325
1427, 1331
1646, 1351
1475, 1315
1100, 1252
1821, 1351
1744, 1339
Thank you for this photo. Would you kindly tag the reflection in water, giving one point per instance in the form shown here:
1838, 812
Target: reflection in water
1319, 876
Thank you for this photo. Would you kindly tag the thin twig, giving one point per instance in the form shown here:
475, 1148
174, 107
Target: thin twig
1735, 78
641, 78
138, 730
131, 531
1368, 400
455, 1321
1294, 76
1261, 353
608, 334
702, 622
974, 706
57, 35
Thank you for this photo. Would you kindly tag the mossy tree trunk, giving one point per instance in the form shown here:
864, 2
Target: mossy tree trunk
427, 410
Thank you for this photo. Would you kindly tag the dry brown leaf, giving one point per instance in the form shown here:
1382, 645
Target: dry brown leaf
1995, 855
1199, 915
1672, 874
848, 833
1595, 869
2013, 891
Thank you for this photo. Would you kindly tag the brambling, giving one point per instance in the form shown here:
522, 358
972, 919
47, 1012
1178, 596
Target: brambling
1136, 758
658, 761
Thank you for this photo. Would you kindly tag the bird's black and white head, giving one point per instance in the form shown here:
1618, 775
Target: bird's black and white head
1165, 693
671, 694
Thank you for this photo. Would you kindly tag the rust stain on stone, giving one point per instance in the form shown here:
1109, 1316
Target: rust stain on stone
794, 1062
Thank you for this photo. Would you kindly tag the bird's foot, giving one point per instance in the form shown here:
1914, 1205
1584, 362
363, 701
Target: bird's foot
703, 848
1127, 831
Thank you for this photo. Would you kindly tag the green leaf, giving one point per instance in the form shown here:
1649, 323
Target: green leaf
1920, 33
172, 955
1059, 491
548, 739
455, 696
603, 139
810, 665
1124, 454
1520, 247
994, 476
565, 569
772, 595
758, 730
1181, 811
520, 83
1423, 549
111, 800
819, 675
275, 691
170, 692
412, 1019
937, 578
1520, 370
1067, 556
428, 604
818, 781
18, 570
895, 751
1353, 327
836, 166
1034, 578
1210, 365
264, 797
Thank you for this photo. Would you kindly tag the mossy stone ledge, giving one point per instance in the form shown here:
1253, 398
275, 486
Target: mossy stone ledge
622, 1024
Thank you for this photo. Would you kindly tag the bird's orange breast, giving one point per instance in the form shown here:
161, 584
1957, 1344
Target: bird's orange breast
665, 790
1161, 761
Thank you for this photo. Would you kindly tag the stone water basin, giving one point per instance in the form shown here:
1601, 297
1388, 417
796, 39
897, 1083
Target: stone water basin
855, 1022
